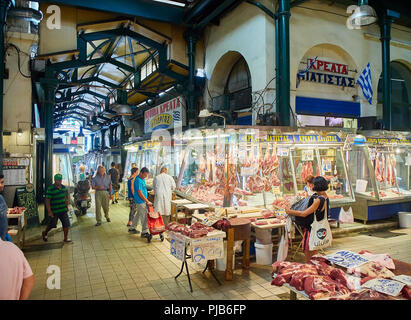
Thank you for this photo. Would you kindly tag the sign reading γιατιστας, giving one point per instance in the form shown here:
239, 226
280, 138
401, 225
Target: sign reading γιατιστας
387, 286
346, 259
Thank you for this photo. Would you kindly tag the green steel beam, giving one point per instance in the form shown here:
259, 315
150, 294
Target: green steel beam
101, 45
150, 10
216, 12
85, 101
284, 46
130, 46
191, 38
262, 7
4, 6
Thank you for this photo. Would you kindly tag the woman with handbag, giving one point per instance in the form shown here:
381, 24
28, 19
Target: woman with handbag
318, 205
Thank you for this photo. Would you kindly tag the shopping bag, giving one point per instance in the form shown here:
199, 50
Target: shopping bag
156, 225
320, 236
346, 216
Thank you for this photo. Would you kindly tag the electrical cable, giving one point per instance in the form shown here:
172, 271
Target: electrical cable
18, 59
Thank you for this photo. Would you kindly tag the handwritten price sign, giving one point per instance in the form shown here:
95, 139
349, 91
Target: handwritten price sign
346, 259
177, 246
403, 278
387, 286
209, 248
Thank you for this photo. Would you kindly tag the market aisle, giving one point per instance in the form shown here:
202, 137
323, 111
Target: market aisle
108, 263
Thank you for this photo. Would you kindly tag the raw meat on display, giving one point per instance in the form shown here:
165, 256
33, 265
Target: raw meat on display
393, 164
406, 292
364, 294
318, 287
15, 210
383, 259
261, 223
371, 269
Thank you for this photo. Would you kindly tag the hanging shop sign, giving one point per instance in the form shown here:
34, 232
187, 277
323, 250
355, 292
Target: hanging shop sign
165, 115
334, 73
332, 138
375, 140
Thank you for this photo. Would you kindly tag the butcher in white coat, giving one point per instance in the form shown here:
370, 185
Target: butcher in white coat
163, 186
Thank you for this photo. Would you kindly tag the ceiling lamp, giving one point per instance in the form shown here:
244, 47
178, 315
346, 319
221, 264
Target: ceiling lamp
363, 15
19, 132
123, 110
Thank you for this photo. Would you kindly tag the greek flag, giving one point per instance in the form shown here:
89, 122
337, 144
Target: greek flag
303, 72
365, 83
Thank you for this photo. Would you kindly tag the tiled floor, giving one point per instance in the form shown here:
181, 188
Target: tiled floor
107, 262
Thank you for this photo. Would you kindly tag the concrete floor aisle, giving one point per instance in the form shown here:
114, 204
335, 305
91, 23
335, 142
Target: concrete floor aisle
107, 262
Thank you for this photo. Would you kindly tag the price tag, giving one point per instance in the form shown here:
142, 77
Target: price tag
177, 246
208, 248
346, 259
246, 171
403, 278
277, 190
327, 167
282, 152
209, 221
307, 155
387, 286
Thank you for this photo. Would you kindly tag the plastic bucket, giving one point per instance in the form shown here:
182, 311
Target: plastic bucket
264, 253
405, 219
221, 263
263, 236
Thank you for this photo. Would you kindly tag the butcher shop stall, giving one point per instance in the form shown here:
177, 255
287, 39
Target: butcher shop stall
379, 168
258, 168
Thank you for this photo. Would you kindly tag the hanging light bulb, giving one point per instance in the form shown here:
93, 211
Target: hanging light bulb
19, 132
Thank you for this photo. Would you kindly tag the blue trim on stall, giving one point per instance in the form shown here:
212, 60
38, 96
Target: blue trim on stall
326, 107
387, 210
246, 120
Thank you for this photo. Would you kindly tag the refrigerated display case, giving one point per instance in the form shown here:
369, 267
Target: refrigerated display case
262, 168
377, 169
62, 163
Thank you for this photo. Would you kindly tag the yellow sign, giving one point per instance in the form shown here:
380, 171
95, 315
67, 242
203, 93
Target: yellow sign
161, 121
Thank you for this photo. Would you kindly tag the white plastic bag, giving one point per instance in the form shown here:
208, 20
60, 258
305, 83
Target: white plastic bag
346, 216
320, 235
283, 247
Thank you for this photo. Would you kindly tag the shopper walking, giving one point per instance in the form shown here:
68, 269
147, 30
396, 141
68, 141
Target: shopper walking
114, 175
16, 276
164, 185
130, 188
141, 201
318, 205
102, 184
4, 224
57, 203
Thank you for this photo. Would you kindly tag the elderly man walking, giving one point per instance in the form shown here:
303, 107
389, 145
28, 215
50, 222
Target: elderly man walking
102, 184
163, 185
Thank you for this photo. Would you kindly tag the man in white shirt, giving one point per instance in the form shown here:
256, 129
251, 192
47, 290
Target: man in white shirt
163, 186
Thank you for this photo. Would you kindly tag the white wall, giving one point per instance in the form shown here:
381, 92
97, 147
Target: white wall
250, 32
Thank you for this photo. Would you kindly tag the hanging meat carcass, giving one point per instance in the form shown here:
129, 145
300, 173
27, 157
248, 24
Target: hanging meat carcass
383, 175
377, 169
303, 172
393, 164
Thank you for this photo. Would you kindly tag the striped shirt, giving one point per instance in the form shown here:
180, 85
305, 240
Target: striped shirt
57, 199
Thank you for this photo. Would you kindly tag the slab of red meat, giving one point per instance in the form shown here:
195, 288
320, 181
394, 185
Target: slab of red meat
297, 279
261, 223
339, 276
278, 265
406, 292
366, 294
371, 269
288, 272
278, 281
318, 287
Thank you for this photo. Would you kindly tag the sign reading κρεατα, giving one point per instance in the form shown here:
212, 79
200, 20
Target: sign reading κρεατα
165, 116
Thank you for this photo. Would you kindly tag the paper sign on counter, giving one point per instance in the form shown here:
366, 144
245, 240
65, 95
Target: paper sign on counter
346, 259
177, 246
307, 155
208, 248
361, 185
403, 278
387, 286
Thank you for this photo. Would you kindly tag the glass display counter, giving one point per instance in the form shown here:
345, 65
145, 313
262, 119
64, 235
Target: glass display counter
380, 177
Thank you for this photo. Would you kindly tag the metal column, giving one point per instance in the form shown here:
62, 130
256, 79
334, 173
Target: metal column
4, 6
49, 86
123, 152
284, 60
191, 39
385, 28
277, 64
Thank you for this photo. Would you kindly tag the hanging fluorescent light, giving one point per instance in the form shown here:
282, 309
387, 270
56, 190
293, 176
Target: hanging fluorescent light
175, 3
123, 110
363, 15
200, 73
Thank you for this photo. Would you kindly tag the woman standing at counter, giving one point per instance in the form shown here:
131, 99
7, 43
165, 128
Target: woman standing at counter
318, 205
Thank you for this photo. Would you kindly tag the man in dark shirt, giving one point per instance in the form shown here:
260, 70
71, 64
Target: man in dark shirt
114, 175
